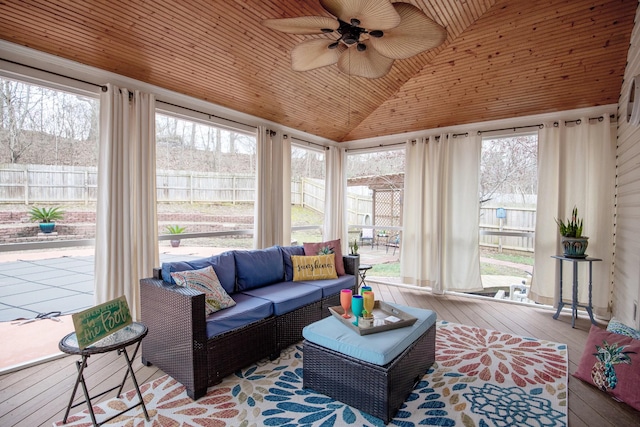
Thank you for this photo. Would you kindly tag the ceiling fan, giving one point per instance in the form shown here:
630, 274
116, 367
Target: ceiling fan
372, 34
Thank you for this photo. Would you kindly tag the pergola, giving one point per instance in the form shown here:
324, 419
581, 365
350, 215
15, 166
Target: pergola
388, 192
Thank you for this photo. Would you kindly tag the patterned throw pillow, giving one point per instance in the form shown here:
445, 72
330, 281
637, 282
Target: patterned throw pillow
325, 248
618, 327
313, 267
611, 362
205, 281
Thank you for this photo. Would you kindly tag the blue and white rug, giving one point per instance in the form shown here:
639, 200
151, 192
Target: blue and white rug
481, 378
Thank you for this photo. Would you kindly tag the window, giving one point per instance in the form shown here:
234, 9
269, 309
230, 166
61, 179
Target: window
307, 193
206, 183
375, 185
508, 193
48, 159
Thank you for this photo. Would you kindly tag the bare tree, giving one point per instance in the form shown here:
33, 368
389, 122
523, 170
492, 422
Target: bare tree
17, 111
508, 166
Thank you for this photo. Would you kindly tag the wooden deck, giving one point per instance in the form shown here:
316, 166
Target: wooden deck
38, 395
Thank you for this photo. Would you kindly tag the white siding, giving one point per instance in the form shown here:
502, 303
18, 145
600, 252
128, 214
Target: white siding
626, 291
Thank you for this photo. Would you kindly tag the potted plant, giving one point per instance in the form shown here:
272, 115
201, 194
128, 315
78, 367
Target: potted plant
175, 229
46, 216
354, 247
574, 243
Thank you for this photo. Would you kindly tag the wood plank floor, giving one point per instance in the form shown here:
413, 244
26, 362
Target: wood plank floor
38, 395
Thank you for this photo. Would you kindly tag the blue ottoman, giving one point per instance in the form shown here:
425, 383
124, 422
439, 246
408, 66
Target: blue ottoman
373, 373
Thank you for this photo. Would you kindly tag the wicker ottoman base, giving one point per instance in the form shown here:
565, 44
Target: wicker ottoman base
374, 389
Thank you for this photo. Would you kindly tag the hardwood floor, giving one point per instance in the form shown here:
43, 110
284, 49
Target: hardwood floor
38, 395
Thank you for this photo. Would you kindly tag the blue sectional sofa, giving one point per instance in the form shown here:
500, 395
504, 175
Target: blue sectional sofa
270, 312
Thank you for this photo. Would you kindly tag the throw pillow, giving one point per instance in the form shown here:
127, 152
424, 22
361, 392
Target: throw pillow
325, 248
314, 267
618, 327
206, 281
611, 362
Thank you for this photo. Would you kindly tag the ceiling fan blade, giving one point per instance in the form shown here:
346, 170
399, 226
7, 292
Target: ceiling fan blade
369, 63
372, 14
302, 24
416, 33
314, 53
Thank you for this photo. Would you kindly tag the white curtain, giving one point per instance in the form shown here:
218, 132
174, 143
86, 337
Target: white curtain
576, 167
335, 214
286, 190
441, 207
269, 211
461, 205
420, 255
126, 224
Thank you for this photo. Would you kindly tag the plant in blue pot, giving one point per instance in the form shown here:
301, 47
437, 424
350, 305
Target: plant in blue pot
574, 244
47, 217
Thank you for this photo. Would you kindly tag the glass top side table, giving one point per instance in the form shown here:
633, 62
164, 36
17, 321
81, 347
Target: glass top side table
362, 271
117, 341
574, 299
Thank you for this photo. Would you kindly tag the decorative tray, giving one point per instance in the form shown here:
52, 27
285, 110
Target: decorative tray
385, 318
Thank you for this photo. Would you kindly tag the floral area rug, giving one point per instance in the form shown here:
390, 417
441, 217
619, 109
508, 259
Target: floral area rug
481, 378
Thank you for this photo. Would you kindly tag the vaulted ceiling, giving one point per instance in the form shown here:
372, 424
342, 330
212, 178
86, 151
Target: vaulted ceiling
501, 59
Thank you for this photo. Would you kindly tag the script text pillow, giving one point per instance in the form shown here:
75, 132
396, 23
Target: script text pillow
205, 281
314, 267
325, 248
611, 362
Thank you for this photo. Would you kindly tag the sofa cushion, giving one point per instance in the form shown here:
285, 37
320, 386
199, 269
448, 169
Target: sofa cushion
380, 348
611, 362
287, 296
324, 248
248, 309
223, 264
205, 281
314, 267
258, 268
287, 252
333, 286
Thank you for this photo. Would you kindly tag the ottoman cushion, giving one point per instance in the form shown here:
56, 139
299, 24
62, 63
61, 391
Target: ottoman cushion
379, 348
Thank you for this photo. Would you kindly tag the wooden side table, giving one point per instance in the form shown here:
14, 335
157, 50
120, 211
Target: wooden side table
119, 340
574, 299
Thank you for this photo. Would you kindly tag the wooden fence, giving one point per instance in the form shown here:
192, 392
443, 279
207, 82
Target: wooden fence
32, 184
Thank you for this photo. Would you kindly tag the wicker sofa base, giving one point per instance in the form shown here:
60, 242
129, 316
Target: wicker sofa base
376, 390
289, 325
229, 352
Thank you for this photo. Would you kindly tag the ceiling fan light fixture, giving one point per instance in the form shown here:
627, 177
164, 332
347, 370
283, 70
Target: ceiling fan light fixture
402, 31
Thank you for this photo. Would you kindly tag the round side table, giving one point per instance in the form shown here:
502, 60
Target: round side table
362, 270
117, 341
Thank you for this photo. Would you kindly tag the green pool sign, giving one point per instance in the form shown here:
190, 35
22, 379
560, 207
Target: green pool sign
97, 322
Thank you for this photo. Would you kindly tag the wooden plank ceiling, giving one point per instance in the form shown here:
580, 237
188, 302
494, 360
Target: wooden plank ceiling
501, 59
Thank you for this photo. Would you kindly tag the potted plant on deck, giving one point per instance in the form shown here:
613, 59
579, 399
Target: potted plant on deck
175, 229
46, 217
574, 243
